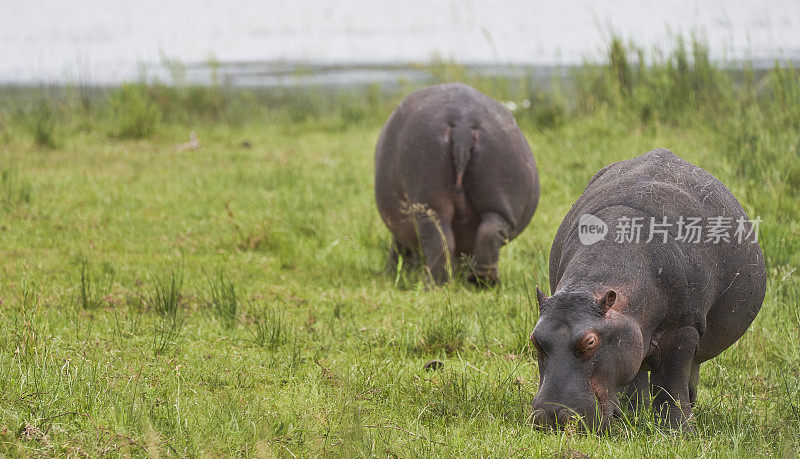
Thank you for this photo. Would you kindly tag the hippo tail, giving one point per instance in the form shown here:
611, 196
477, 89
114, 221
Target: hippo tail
462, 142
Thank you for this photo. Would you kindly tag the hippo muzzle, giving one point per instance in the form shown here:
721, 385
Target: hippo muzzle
566, 395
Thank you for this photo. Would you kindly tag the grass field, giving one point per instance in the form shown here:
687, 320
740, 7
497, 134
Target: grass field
232, 299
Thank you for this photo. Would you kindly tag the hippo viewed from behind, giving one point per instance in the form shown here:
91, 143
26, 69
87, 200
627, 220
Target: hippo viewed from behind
621, 309
454, 175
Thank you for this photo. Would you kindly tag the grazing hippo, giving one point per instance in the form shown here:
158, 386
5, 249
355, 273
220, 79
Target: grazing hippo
664, 305
454, 175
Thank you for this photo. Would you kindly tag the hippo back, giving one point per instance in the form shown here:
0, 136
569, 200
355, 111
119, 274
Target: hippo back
412, 155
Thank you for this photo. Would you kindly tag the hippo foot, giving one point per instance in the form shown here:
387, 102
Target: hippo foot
675, 419
400, 257
678, 426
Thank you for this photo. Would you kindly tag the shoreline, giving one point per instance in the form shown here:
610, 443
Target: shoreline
345, 75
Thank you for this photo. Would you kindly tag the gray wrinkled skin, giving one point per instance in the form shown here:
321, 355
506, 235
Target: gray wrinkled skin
639, 319
454, 175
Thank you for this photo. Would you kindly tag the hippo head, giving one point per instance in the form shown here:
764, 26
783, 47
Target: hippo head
587, 350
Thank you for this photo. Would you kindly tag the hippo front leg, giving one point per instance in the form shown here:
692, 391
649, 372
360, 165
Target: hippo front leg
438, 244
488, 240
694, 380
637, 393
672, 378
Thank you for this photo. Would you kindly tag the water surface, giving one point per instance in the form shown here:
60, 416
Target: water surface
108, 41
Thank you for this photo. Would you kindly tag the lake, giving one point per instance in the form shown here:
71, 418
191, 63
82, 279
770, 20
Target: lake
349, 41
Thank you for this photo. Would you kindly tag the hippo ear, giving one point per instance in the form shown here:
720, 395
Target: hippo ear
540, 297
607, 301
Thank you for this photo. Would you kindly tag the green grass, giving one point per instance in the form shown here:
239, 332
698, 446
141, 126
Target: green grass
233, 300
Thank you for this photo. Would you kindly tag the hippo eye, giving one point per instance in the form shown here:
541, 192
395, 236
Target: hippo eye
587, 343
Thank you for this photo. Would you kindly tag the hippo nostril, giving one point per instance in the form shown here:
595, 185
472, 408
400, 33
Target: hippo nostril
541, 418
563, 416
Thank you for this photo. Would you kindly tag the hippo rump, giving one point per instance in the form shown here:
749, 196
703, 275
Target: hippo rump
454, 176
640, 317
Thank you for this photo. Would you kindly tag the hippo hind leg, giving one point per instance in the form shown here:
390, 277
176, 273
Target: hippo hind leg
398, 252
438, 244
488, 240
